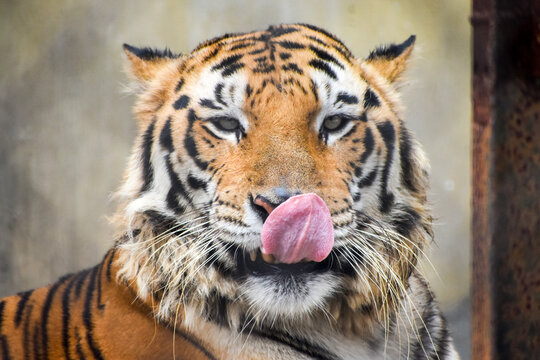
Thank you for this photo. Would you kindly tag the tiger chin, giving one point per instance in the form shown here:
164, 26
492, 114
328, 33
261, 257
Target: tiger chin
274, 207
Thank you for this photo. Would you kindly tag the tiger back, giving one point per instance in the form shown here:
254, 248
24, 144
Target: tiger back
274, 207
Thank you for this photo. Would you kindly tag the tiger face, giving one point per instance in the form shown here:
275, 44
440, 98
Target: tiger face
246, 130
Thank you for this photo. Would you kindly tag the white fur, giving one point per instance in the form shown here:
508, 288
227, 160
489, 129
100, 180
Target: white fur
267, 293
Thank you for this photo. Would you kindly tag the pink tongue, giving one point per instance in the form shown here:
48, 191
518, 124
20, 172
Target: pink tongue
299, 228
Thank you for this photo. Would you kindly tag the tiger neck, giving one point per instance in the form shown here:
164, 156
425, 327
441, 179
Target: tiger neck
228, 311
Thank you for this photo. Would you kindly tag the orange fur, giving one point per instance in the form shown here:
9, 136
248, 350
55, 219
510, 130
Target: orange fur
151, 295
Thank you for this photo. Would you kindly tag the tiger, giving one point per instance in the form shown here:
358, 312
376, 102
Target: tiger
274, 207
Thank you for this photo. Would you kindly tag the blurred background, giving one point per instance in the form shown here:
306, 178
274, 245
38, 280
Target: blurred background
66, 127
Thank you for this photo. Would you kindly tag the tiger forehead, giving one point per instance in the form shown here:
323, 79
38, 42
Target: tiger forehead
284, 48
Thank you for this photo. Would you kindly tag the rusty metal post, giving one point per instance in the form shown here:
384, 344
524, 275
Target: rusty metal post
506, 179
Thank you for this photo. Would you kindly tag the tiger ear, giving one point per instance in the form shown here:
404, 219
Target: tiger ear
391, 60
144, 63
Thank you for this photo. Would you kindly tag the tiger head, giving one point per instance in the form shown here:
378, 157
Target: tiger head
252, 125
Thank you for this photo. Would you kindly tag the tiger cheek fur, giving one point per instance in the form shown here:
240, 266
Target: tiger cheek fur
243, 125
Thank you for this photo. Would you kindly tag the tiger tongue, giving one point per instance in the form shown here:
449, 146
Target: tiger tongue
300, 228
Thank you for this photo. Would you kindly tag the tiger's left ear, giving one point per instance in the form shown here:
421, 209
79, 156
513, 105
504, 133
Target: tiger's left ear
391, 60
145, 63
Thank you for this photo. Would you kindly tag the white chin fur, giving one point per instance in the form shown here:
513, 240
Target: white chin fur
271, 296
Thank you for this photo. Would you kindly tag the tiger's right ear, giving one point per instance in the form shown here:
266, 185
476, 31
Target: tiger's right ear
391, 60
144, 63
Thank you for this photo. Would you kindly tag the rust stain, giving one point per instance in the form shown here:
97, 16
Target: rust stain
506, 179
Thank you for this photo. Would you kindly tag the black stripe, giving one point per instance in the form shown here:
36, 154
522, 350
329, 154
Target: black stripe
264, 68
208, 142
346, 98
371, 100
249, 90
261, 59
344, 52
196, 183
257, 51
216, 40
195, 343
323, 66
339, 47
227, 62
284, 55
405, 220
179, 85
211, 54
78, 347
207, 103
173, 204
279, 30
81, 277
292, 67
405, 155
109, 263
324, 32
391, 51
87, 315
350, 132
388, 134
66, 317
369, 145
148, 171
5, 348
223, 269
181, 103
316, 39
26, 332
216, 308
231, 69
363, 117
357, 169
165, 137
291, 44
300, 345
323, 55
210, 132
100, 305
2, 307
314, 90
189, 142
3, 340
368, 180
177, 188
21, 306
36, 343
161, 223
147, 53
218, 93
423, 348
442, 347
45, 317
242, 45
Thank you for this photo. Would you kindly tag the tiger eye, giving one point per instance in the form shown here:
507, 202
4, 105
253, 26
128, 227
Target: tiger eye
332, 122
228, 124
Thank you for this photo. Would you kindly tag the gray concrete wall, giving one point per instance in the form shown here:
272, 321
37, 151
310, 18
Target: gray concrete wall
66, 128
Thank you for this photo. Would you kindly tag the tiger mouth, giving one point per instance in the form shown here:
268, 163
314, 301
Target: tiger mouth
258, 264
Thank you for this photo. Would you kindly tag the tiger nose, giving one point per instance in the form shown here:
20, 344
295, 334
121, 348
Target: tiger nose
263, 206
